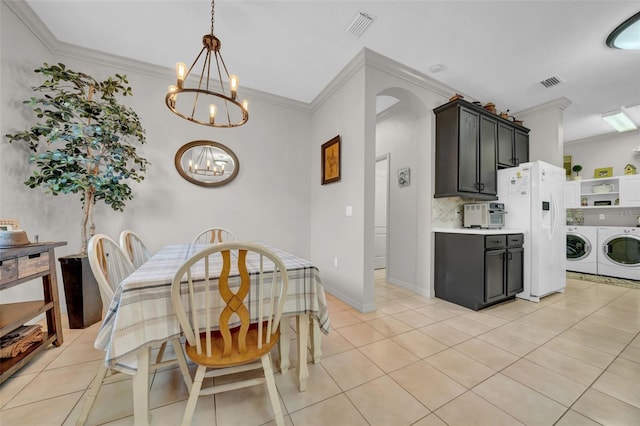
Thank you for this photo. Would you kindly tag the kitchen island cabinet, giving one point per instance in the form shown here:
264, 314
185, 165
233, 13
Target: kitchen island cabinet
19, 265
476, 270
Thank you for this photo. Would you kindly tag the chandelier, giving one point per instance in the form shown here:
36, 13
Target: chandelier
205, 104
207, 162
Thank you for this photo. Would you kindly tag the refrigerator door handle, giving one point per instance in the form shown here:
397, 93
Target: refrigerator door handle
554, 214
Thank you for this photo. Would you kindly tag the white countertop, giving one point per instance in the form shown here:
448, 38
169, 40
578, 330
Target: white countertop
478, 231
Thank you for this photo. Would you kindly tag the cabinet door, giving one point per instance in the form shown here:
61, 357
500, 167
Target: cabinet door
468, 151
630, 190
520, 147
515, 277
572, 194
494, 261
505, 145
488, 156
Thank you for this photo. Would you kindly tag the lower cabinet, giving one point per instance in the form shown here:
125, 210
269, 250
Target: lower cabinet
477, 270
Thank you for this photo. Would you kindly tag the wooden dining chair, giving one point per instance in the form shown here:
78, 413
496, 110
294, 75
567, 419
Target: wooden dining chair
228, 299
133, 246
110, 266
214, 236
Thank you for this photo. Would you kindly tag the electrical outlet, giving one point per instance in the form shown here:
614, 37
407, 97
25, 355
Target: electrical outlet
601, 216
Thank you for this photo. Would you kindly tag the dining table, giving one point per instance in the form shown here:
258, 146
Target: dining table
141, 316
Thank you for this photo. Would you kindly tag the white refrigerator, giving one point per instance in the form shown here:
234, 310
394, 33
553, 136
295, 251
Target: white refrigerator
533, 195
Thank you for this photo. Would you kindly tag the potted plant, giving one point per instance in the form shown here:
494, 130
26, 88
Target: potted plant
83, 144
577, 168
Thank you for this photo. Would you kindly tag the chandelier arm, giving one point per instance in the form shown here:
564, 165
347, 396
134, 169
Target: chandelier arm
194, 63
226, 107
204, 66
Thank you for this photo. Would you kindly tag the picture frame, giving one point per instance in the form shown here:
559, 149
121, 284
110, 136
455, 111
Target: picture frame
603, 172
330, 156
9, 224
566, 163
404, 177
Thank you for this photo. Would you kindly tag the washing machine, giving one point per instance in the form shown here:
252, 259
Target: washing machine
619, 252
582, 249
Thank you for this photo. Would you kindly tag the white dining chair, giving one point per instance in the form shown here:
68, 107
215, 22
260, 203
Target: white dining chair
214, 236
133, 246
230, 322
110, 266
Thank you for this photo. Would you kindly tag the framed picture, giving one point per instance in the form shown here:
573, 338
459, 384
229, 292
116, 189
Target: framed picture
404, 177
330, 159
8, 224
566, 163
603, 172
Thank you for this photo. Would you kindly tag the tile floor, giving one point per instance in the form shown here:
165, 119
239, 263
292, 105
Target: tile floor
572, 359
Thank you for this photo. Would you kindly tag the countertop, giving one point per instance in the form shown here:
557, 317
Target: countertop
478, 231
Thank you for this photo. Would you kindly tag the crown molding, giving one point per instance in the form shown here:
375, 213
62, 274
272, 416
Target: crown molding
560, 103
605, 137
62, 49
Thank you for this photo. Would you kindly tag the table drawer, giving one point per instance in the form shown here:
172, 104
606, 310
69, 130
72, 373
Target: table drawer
8, 270
33, 264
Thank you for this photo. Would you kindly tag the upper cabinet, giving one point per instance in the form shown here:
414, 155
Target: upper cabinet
620, 191
468, 140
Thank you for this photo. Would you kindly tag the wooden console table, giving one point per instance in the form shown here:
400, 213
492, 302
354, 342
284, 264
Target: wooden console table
19, 265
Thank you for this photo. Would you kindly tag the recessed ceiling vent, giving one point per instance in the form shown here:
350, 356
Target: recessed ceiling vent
551, 81
359, 24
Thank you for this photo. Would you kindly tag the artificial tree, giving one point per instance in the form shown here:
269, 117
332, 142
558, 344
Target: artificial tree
83, 144
89, 140
577, 168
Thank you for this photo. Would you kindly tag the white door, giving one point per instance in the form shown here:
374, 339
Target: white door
382, 191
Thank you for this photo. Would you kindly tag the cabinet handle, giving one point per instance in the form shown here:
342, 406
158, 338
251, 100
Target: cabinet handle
481, 186
509, 256
33, 256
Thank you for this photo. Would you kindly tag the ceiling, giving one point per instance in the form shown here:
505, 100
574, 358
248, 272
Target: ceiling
491, 51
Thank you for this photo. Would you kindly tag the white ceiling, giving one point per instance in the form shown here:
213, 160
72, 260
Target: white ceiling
492, 51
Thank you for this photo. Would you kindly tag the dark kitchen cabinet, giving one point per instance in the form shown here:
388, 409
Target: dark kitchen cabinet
513, 145
477, 270
468, 153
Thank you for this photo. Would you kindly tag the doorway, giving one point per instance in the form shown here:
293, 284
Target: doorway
381, 212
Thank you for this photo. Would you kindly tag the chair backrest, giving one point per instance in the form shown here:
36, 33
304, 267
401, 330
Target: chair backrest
133, 246
109, 264
214, 236
236, 284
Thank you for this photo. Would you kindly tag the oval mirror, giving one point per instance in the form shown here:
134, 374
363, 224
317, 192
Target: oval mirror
207, 163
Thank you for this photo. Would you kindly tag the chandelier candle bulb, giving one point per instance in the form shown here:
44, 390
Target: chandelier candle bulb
245, 105
181, 73
233, 85
212, 113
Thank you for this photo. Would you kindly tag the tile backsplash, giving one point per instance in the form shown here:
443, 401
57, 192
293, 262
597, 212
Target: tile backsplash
447, 212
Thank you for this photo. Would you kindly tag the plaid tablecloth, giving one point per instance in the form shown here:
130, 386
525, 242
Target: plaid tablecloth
141, 313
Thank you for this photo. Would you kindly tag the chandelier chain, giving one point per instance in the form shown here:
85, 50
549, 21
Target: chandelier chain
213, 20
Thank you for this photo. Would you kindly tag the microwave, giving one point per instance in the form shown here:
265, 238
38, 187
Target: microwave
485, 215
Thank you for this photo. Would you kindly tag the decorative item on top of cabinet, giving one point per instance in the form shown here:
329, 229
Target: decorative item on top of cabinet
630, 169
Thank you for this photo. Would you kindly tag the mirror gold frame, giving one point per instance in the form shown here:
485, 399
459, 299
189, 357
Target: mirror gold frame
206, 163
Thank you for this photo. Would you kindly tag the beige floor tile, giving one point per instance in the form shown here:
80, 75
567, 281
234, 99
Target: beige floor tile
253, 404
388, 355
503, 312
509, 342
414, 301
631, 353
620, 387
573, 418
337, 410
445, 334
430, 420
605, 409
419, 343
519, 401
549, 383
575, 369
620, 366
53, 383
523, 306
437, 312
350, 369
428, 384
391, 307
114, 401
389, 326
399, 407
595, 326
343, 318
595, 341
52, 411
467, 325
334, 305
471, 410
489, 355
78, 353
320, 386
459, 367
521, 329
360, 334
13, 386
486, 319
369, 315
414, 319
332, 344
579, 351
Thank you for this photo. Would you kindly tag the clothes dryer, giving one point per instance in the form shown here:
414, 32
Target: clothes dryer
582, 249
619, 252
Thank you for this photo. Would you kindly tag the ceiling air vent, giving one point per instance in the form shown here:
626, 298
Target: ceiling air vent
359, 24
551, 81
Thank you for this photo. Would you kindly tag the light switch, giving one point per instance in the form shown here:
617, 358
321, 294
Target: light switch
349, 211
